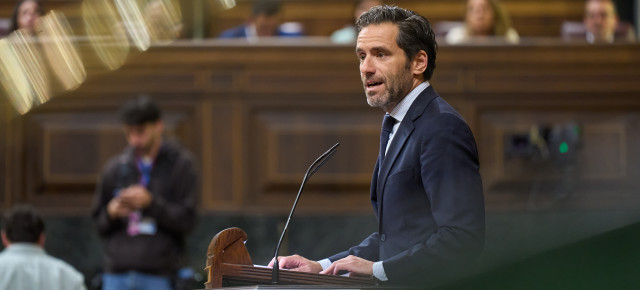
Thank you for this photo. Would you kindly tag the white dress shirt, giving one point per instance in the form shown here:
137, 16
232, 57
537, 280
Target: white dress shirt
27, 266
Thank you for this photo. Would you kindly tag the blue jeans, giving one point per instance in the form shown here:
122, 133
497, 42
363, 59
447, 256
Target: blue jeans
135, 281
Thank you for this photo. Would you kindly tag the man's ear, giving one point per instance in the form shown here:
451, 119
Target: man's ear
5, 240
420, 62
159, 127
41, 240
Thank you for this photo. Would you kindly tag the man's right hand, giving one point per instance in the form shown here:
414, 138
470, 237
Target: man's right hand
117, 209
298, 263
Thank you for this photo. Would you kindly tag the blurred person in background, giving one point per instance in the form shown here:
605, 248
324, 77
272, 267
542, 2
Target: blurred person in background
24, 264
601, 20
348, 33
145, 204
162, 20
485, 19
264, 22
25, 14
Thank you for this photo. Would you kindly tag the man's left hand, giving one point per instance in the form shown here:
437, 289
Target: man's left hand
356, 266
136, 196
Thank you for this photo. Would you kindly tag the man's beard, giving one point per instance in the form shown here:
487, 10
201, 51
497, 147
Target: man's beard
145, 150
395, 90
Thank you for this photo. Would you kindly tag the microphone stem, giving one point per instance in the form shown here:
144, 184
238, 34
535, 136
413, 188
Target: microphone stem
322, 160
275, 273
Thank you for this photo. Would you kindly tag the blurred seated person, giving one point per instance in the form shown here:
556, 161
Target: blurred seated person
163, 20
484, 20
24, 264
347, 34
263, 22
25, 14
601, 20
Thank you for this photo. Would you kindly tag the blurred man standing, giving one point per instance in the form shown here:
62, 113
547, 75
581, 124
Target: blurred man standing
24, 264
145, 203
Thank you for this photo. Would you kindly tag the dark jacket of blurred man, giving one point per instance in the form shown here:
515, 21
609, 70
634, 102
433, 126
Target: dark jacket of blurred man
24, 264
426, 189
145, 203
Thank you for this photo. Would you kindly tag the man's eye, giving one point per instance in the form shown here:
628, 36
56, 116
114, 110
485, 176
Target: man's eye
380, 54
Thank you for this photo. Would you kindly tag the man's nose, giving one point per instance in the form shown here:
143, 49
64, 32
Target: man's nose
367, 67
134, 139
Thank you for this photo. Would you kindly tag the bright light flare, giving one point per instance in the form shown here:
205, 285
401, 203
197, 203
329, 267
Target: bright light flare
112, 27
28, 54
13, 79
228, 4
133, 20
106, 32
163, 19
55, 34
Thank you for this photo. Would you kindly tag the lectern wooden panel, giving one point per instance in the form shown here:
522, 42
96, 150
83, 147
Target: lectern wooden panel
228, 260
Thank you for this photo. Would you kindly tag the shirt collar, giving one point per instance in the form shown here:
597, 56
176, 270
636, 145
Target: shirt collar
403, 106
251, 32
24, 247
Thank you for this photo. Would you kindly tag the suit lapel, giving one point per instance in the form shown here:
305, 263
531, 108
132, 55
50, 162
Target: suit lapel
372, 188
399, 140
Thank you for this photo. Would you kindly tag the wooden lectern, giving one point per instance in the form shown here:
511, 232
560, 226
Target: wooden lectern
229, 260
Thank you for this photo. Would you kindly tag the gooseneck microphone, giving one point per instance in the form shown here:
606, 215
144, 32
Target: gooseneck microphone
275, 275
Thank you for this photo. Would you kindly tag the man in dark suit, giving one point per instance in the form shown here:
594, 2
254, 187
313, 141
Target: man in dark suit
426, 189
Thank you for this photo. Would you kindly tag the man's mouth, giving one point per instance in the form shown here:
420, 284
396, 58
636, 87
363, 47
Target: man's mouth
372, 84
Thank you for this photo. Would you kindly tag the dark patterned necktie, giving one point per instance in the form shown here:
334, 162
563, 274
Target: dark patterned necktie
387, 127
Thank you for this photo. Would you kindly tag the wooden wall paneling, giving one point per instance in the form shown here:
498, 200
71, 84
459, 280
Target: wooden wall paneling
539, 53
144, 81
605, 157
287, 140
250, 113
302, 81
15, 159
449, 80
220, 125
182, 119
221, 81
66, 151
559, 80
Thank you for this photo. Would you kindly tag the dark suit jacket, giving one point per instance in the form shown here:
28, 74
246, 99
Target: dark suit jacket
234, 32
427, 197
